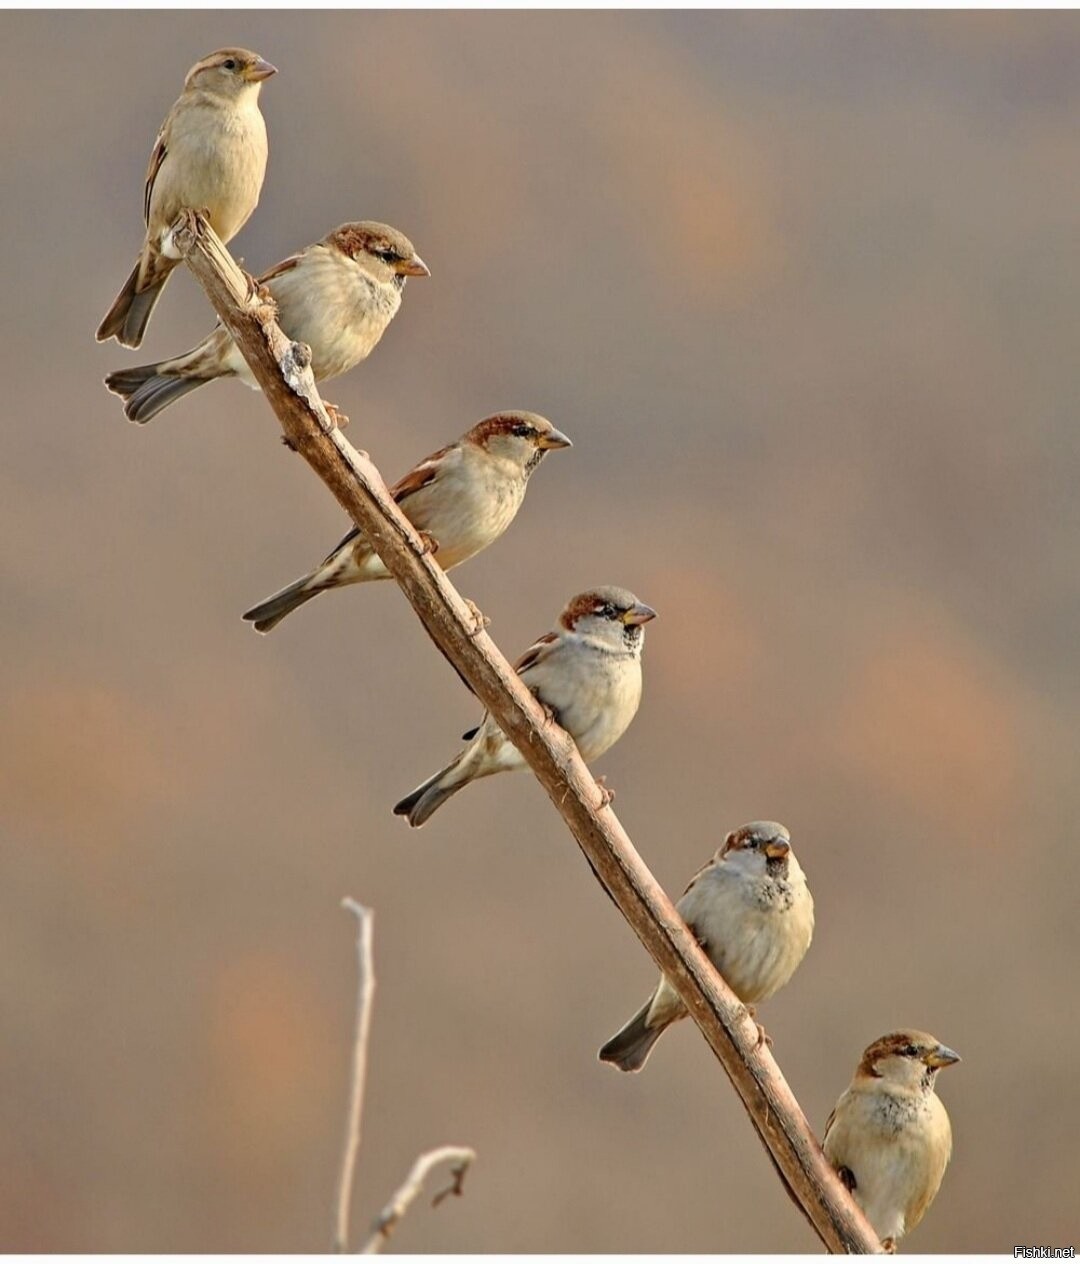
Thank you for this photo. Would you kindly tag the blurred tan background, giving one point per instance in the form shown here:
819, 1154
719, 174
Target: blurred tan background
803, 290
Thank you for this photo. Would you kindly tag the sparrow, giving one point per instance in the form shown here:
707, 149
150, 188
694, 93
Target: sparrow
209, 155
462, 498
338, 296
752, 912
889, 1136
587, 676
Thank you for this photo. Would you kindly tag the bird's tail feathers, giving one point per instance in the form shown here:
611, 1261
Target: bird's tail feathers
269, 613
146, 391
433, 793
630, 1047
127, 318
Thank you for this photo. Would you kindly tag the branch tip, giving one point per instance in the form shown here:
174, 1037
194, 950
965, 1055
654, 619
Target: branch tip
394, 1212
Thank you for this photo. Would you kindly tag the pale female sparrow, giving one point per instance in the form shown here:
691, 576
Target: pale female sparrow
210, 155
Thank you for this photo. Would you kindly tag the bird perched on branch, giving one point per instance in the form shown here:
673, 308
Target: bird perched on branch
752, 913
209, 155
586, 674
338, 296
462, 498
889, 1136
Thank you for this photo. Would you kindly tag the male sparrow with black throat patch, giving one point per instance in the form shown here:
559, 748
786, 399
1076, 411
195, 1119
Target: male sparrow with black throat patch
587, 674
462, 498
752, 913
889, 1136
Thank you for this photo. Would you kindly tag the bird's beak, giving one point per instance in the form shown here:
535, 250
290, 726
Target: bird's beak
260, 71
942, 1056
554, 439
641, 613
777, 848
412, 267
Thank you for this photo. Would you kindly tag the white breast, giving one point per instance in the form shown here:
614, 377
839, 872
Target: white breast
335, 307
754, 939
472, 504
887, 1143
596, 696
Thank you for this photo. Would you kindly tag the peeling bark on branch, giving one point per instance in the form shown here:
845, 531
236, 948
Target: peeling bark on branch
279, 367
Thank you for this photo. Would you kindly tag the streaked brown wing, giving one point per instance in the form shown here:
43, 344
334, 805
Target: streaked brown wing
536, 653
420, 476
279, 269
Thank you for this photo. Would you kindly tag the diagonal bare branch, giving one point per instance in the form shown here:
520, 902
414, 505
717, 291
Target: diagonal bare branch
280, 369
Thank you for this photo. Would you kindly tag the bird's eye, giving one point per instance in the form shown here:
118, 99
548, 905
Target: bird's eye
909, 1051
387, 255
229, 63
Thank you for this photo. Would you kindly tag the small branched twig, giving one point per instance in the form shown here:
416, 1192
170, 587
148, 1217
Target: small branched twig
388, 1219
364, 998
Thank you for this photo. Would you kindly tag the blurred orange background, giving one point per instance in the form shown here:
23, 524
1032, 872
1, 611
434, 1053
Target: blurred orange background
803, 290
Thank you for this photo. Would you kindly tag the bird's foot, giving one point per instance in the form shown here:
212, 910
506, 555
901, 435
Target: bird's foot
337, 417
480, 620
607, 795
260, 301
428, 544
888, 1245
763, 1037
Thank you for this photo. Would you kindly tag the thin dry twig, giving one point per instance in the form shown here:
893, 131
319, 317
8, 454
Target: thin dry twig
387, 1220
365, 997
460, 1156
282, 370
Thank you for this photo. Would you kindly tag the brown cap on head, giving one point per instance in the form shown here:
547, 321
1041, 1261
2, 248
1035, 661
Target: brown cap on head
769, 837
369, 237
617, 604
522, 425
918, 1046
